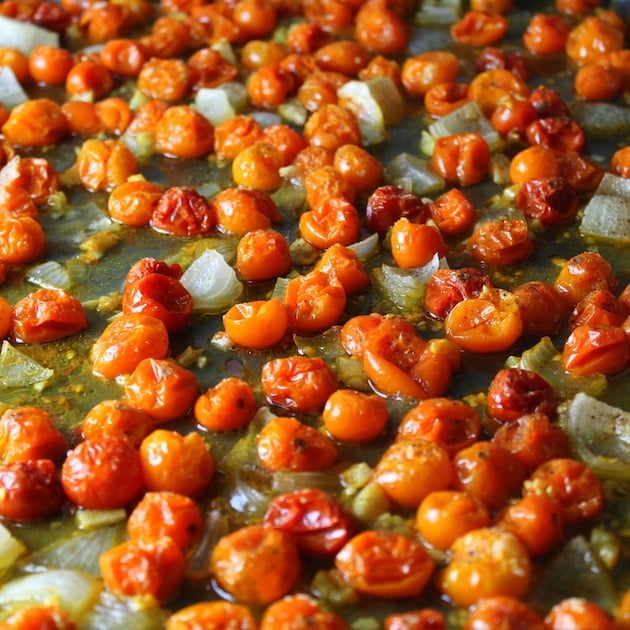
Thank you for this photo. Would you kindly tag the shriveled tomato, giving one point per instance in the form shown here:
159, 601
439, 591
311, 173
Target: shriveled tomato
389, 203
315, 519
447, 287
47, 315
384, 564
29, 490
183, 211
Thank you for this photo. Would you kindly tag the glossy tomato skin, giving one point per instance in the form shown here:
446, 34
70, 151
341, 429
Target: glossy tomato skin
29, 490
515, 392
47, 315
447, 287
183, 211
160, 296
314, 518
102, 474
389, 203
552, 201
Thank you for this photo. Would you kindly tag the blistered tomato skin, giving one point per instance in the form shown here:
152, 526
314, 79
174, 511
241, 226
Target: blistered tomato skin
30, 490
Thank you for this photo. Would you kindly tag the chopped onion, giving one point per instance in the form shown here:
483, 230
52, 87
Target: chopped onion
25, 36
376, 104
405, 287
114, 612
18, 370
78, 552
414, 173
284, 481
11, 92
50, 275
607, 214
216, 525
214, 104
326, 345
600, 435
465, 119
75, 591
440, 12
10, 548
544, 359
212, 283
366, 248
602, 120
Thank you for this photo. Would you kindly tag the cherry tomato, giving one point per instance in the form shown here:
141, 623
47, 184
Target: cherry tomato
118, 419
47, 315
182, 211
500, 610
352, 416
30, 490
229, 405
577, 612
389, 203
209, 614
384, 564
583, 273
501, 242
479, 28
591, 349
415, 244
314, 518
103, 473
542, 308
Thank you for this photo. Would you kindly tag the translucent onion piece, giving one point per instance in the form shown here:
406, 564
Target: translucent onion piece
544, 359
467, 119
366, 248
326, 345
413, 173
214, 104
11, 92
216, 525
376, 103
78, 552
602, 120
25, 36
112, 612
212, 283
75, 591
50, 275
18, 370
600, 435
607, 214
434, 12
10, 549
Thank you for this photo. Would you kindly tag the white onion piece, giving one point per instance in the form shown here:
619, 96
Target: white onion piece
214, 104
600, 434
11, 92
10, 548
18, 370
74, 591
50, 275
212, 283
607, 214
25, 36
466, 119
113, 612
413, 173
366, 248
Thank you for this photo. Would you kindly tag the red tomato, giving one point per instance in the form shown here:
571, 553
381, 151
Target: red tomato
315, 519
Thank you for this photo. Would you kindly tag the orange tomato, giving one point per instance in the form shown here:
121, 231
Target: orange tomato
352, 416
479, 28
443, 98
490, 87
344, 263
133, 202
462, 158
501, 242
534, 162
126, 341
105, 164
332, 126
28, 433
161, 388
287, 444
503, 609
491, 322
240, 210
35, 123
409, 470
415, 244
117, 418
591, 349
166, 79
103, 473
258, 166
217, 614
577, 612
453, 212
160, 514
546, 34
583, 273
258, 324
47, 315
384, 564
314, 302
148, 567
485, 562
49, 65
300, 612
257, 565
229, 405
176, 463
182, 132
424, 70
445, 515
334, 221
262, 255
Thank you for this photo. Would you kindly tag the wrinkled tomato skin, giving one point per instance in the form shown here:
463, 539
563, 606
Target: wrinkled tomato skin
559, 133
183, 212
389, 203
447, 287
548, 103
147, 265
491, 57
160, 296
552, 201
29, 490
314, 518
47, 315
515, 392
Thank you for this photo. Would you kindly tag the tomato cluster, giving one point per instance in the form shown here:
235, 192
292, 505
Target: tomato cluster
347, 386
